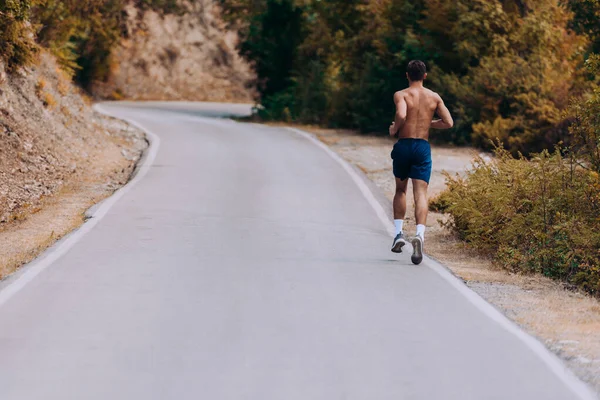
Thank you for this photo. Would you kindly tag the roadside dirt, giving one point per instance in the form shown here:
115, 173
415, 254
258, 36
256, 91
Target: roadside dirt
567, 322
57, 158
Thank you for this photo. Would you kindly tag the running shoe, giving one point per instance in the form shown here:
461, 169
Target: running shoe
399, 243
417, 256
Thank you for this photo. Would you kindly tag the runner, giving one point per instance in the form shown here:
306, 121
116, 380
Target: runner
415, 108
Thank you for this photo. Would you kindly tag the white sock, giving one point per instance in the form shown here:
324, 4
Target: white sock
399, 224
421, 231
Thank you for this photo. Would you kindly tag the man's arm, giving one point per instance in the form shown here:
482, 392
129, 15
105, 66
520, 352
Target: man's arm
445, 121
401, 110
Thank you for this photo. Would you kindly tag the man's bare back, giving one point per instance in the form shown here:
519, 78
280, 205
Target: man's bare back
415, 108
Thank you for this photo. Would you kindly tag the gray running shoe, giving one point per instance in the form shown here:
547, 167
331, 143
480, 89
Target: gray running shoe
417, 256
399, 243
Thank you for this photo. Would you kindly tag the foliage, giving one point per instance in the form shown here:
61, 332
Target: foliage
506, 68
514, 70
585, 21
80, 33
586, 125
538, 215
16, 45
271, 45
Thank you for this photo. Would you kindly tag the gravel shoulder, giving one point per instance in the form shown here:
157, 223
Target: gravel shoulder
58, 157
567, 322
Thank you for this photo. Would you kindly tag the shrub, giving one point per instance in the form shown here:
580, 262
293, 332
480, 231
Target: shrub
279, 106
539, 215
586, 125
17, 47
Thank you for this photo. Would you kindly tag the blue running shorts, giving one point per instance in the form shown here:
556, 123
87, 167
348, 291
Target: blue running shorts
412, 159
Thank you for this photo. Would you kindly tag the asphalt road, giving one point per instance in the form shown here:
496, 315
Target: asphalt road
246, 263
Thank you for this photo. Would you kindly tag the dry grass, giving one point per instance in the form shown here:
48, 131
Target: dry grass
42, 90
48, 100
63, 88
53, 165
41, 84
34, 229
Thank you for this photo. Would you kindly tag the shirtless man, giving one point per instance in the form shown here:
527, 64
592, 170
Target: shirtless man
415, 108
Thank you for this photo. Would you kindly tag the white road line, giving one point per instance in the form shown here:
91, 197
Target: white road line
364, 189
556, 365
62, 247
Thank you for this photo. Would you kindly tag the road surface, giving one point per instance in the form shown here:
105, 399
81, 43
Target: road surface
246, 264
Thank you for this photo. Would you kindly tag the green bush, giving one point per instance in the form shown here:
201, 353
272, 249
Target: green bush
16, 45
539, 215
280, 106
585, 112
81, 34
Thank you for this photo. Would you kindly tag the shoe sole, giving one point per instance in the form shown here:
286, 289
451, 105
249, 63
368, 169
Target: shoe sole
398, 246
417, 257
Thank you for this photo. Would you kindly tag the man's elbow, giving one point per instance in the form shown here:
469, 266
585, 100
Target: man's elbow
450, 124
400, 117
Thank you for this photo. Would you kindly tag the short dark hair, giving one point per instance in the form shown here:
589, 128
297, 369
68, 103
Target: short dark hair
416, 70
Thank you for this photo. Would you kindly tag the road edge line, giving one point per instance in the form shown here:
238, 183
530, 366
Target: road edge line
59, 249
554, 363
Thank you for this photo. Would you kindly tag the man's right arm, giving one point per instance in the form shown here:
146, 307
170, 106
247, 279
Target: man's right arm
400, 116
445, 121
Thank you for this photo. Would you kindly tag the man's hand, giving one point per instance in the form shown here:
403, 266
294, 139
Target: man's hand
393, 130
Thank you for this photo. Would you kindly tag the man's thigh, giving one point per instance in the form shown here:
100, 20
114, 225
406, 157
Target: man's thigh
420, 187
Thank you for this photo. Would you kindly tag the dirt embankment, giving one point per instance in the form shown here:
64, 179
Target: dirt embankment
57, 158
178, 57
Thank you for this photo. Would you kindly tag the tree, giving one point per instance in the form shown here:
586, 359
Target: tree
586, 125
516, 67
586, 20
272, 45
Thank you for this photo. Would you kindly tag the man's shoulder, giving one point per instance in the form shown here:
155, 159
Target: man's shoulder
433, 94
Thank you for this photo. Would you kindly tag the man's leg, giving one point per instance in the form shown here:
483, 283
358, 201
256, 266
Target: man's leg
421, 210
399, 214
421, 204
400, 199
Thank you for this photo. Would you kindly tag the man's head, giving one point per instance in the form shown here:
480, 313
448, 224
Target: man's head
416, 71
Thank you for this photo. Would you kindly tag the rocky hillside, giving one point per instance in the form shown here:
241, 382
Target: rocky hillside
53, 144
190, 56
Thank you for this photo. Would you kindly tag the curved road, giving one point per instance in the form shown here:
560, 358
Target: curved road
247, 264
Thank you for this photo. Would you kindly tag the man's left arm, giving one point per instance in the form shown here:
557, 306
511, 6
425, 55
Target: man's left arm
445, 121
